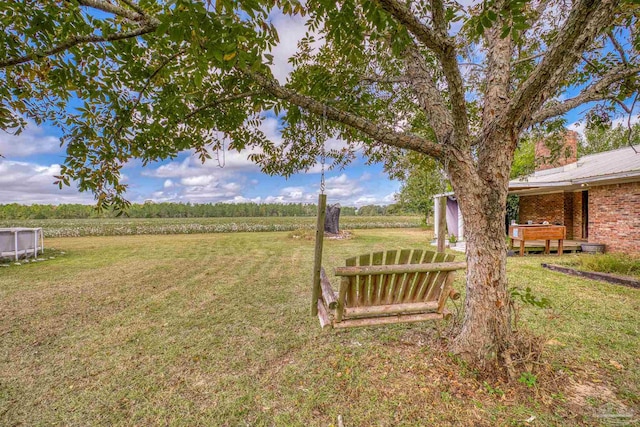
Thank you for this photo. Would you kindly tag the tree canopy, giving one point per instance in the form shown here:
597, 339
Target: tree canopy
146, 80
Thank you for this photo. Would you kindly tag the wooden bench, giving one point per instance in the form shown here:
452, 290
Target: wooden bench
521, 233
409, 285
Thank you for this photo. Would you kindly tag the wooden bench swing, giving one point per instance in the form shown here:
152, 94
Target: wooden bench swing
396, 286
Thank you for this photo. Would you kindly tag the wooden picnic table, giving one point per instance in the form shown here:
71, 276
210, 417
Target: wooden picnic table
546, 232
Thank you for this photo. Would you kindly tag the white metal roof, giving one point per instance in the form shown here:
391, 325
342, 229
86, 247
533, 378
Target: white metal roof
621, 165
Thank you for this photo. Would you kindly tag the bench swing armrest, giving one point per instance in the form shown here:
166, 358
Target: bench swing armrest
328, 295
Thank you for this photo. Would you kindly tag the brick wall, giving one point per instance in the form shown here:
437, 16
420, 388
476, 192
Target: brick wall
544, 207
614, 217
577, 215
556, 208
564, 154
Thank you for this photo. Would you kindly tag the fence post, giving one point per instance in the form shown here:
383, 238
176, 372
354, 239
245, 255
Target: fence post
317, 258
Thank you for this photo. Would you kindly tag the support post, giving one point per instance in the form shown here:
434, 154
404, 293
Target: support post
442, 222
317, 258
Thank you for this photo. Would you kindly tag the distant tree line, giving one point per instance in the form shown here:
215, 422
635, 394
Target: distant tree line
14, 211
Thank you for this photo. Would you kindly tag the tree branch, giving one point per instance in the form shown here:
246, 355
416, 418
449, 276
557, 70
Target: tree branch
382, 79
439, 22
451, 70
423, 33
134, 6
528, 58
498, 73
591, 64
598, 91
472, 64
373, 130
429, 97
586, 21
618, 47
622, 105
105, 6
444, 49
79, 40
217, 102
144, 89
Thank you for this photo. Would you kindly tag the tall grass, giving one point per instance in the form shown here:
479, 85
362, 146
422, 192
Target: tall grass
610, 263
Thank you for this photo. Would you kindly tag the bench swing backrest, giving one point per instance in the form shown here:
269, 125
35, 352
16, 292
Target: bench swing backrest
395, 286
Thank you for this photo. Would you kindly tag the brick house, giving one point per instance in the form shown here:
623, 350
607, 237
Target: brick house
597, 197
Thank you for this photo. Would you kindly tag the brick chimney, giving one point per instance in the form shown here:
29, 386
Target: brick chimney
567, 153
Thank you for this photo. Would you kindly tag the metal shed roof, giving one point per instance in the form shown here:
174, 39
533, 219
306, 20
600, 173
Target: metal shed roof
621, 165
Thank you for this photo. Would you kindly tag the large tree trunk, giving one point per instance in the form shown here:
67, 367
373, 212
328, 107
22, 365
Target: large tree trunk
486, 330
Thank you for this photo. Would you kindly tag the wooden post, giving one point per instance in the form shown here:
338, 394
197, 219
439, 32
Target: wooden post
442, 222
317, 258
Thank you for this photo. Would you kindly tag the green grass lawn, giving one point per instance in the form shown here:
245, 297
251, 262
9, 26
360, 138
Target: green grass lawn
214, 329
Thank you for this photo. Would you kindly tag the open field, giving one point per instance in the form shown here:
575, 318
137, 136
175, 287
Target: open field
214, 329
137, 226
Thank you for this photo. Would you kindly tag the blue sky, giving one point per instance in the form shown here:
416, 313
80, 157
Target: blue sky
33, 158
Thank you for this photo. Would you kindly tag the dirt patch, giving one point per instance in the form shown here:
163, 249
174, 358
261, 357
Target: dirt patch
343, 235
600, 402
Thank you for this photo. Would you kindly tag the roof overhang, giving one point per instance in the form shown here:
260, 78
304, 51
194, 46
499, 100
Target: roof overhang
536, 188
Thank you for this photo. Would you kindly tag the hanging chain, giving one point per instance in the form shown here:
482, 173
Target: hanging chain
323, 155
223, 162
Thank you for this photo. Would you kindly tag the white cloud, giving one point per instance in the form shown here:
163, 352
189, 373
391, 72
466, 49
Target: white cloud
342, 188
366, 200
191, 166
33, 140
27, 183
198, 181
389, 198
294, 193
270, 126
624, 120
290, 29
